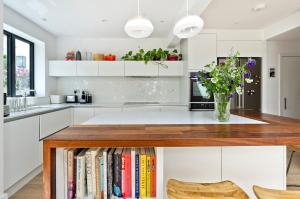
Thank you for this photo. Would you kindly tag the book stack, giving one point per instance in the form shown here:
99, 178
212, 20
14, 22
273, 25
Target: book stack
105, 173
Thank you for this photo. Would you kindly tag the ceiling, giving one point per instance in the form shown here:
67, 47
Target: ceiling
102, 18
292, 35
238, 14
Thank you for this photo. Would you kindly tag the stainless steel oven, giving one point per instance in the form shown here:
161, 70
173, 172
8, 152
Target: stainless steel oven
199, 98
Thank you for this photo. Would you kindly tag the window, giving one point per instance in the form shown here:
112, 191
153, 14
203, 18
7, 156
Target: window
18, 57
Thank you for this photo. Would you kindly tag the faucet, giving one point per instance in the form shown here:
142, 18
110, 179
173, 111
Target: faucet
25, 98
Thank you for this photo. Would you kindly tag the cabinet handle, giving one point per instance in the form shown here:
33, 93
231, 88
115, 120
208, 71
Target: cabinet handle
285, 106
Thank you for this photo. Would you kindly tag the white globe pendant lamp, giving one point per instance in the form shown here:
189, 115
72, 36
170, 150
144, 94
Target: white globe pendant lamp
139, 27
188, 26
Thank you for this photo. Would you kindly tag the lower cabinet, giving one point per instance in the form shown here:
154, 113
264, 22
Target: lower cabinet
53, 122
104, 110
247, 166
82, 115
21, 149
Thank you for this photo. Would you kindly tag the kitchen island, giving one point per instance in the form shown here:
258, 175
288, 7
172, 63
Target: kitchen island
249, 141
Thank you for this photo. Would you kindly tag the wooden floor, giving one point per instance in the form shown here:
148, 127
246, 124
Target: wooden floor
33, 190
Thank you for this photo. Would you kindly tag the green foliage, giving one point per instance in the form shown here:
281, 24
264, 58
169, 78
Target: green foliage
224, 78
151, 55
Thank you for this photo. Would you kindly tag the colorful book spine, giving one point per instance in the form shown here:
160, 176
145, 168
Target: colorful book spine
80, 177
98, 177
127, 174
71, 184
117, 182
137, 174
148, 172
143, 174
110, 172
89, 174
66, 174
153, 174
132, 172
104, 179
101, 177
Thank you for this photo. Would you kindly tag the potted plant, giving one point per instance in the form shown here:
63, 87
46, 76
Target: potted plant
174, 56
224, 81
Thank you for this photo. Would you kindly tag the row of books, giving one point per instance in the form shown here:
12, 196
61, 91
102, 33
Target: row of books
105, 173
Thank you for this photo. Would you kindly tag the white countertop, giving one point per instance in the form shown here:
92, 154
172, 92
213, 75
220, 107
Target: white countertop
165, 117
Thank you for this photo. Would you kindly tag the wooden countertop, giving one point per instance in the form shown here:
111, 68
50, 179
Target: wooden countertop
278, 131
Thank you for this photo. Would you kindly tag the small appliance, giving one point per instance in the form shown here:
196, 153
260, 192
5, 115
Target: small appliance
57, 99
199, 99
72, 99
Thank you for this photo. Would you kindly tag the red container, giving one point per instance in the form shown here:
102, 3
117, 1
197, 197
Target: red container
110, 57
172, 58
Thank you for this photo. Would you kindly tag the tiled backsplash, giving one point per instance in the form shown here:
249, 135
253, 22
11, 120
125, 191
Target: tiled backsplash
124, 89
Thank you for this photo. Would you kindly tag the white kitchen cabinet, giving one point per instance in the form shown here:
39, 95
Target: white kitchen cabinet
245, 48
171, 68
103, 110
247, 166
62, 68
53, 122
87, 68
21, 149
192, 164
82, 115
202, 50
139, 68
111, 68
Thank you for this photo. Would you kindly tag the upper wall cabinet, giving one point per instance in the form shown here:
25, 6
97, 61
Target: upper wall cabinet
62, 68
171, 68
202, 50
139, 68
87, 68
111, 68
115, 68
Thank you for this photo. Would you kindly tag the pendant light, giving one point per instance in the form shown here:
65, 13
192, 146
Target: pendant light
138, 27
188, 26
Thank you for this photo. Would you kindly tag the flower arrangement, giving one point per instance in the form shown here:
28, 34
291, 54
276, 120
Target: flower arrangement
226, 80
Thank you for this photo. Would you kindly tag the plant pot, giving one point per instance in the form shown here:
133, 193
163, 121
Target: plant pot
222, 107
172, 58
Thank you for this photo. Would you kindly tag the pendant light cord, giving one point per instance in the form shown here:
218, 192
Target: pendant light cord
138, 7
187, 7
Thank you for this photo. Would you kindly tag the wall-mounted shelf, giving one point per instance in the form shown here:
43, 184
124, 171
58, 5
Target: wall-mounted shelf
115, 68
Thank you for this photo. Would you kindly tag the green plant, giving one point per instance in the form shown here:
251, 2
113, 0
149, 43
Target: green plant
150, 55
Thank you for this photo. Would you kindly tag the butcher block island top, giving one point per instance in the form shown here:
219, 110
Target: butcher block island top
168, 129
179, 128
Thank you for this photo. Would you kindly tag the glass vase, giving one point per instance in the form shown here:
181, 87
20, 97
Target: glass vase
222, 107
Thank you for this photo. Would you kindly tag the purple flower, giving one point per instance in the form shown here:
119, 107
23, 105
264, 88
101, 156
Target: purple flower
206, 75
247, 75
242, 85
230, 96
251, 62
199, 79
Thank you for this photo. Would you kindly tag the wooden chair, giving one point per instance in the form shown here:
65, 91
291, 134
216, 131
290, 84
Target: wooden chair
222, 190
294, 149
263, 193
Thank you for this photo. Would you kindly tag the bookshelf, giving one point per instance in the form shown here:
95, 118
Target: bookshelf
60, 175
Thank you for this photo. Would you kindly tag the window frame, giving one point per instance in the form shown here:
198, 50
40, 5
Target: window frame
11, 64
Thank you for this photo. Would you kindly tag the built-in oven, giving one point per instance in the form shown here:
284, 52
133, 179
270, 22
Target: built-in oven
199, 98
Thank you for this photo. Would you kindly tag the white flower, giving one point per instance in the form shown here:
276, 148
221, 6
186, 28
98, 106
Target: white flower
239, 90
213, 80
248, 80
208, 68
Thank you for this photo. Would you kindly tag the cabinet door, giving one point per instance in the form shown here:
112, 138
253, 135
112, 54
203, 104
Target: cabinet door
53, 122
62, 68
202, 50
82, 115
139, 68
171, 68
102, 111
248, 166
192, 164
22, 149
111, 68
87, 68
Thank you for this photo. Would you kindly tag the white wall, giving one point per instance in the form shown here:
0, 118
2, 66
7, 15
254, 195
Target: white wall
128, 89
118, 46
21, 23
274, 50
1, 107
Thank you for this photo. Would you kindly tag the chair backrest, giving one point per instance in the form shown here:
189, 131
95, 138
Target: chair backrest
263, 193
222, 190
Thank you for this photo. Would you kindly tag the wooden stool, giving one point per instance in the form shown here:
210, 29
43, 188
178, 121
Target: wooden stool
262, 193
222, 190
293, 148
